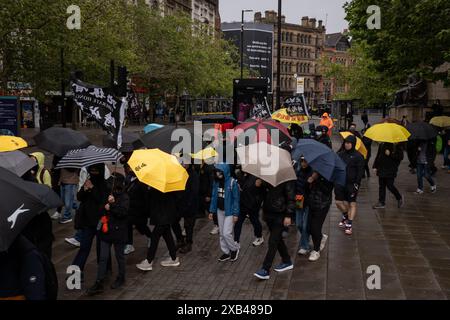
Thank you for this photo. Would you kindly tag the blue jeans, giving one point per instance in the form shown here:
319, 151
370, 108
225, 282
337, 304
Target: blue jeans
302, 225
68, 197
87, 237
423, 170
446, 154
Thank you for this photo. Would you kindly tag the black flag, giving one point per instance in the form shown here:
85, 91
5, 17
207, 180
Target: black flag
296, 106
134, 108
261, 110
100, 105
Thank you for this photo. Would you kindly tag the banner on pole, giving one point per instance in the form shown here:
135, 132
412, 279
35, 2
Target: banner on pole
296, 106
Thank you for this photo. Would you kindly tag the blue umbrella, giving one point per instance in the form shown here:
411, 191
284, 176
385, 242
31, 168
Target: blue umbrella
152, 127
322, 159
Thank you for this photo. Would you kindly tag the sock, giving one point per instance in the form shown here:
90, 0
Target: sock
349, 222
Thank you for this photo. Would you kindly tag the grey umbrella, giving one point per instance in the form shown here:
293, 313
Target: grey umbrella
16, 162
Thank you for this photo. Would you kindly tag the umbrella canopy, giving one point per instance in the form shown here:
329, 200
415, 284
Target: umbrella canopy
159, 170
322, 159
257, 130
421, 131
283, 116
89, 156
9, 143
61, 140
17, 162
219, 119
204, 154
441, 121
387, 132
360, 147
162, 139
152, 127
268, 162
128, 138
25, 200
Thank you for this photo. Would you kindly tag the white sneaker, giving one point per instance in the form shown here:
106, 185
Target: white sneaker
56, 215
323, 242
314, 256
72, 241
145, 266
303, 252
170, 263
129, 248
258, 241
419, 191
214, 230
433, 189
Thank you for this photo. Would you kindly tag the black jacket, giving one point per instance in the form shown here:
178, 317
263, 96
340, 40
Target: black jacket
368, 144
301, 185
325, 139
280, 200
320, 195
387, 165
138, 194
92, 204
118, 222
189, 198
354, 161
22, 271
163, 207
205, 181
251, 197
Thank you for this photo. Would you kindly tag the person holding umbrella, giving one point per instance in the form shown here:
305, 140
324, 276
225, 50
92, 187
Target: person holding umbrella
386, 166
346, 195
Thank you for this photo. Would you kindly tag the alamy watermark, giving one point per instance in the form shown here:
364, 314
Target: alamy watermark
374, 21
374, 280
74, 20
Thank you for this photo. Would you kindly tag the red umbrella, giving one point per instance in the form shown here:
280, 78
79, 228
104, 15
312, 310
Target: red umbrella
258, 130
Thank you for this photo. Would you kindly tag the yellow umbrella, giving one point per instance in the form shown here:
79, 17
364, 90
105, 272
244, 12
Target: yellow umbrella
387, 132
159, 170
11, 143
442, 121
282, 116
360, 147
204, 154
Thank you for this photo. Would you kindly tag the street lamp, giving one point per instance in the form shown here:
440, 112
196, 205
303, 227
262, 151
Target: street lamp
242, 42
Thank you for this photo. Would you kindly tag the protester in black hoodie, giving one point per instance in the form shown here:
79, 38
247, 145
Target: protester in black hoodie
252, 196
368, 144
187, 209
163, 213
138, 214
113, 231
92, 196
279, 209
346, 196
386, 166
322, 136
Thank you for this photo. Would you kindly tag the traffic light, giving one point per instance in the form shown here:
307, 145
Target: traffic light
122, 81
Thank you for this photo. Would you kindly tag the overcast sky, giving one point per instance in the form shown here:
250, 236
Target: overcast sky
294, 10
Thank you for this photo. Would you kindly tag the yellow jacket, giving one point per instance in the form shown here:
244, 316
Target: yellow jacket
47, 179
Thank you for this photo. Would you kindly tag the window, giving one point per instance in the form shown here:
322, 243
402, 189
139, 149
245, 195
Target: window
298, 38
309, 40
290, 52
301, 39
291, 37
282, 36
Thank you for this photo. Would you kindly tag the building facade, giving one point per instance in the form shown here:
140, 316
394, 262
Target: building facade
301, 49
336, 51
207, 12
168, 7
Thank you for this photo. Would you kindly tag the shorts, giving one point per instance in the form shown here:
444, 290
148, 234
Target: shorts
347, 193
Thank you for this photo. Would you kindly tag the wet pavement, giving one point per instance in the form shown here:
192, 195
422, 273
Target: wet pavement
411, 246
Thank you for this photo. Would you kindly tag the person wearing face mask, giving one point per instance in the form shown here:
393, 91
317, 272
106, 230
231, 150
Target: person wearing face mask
322, 136
225, 203
92, 196
346, 195
352, 129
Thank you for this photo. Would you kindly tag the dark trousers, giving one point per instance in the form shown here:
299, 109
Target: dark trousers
189, 223
276, 242
105, 256
389, 183
87, 237
316, 219
216, 222
141, 226
254, 219
366, 168
423, 170
165, 232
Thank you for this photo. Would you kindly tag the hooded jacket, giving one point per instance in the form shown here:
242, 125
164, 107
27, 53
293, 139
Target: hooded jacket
320, 195
163, 207
232, 196
328, 122
387, 165
251, 196
118, 222
43, 175
280, 200
354, 161
189, 198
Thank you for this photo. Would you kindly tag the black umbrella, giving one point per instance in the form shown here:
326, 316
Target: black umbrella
219, 119
421, 131
16, 162
128, 138
24, 201
169, 137
61, 140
